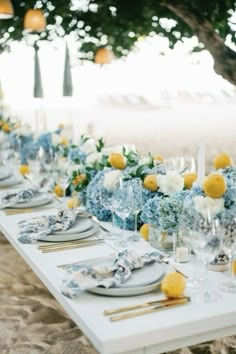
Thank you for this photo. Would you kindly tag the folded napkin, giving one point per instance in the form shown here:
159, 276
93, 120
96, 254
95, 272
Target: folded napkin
11, 198
84, 276
38, 228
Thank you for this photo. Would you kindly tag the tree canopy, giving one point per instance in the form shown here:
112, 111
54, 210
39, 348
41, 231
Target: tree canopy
118, 24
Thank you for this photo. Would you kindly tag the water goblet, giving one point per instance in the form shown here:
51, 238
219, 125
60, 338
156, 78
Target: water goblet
123, 206
137, 192
229, 247
206, 243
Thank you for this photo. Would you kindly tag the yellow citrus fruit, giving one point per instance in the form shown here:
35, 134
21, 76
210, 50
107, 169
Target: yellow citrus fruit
144, 231
234, 267
103, 56
61, 126
173, 285
214, 185
6, 128
189, 178
73, 202
64, 141
58, 190
150, 182
222, 160
78, 179
158, 158
24, 169
117, 160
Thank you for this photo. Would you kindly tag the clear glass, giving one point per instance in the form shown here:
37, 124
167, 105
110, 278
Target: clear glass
122, 202
106, 200
206, 243
181, 164
62, 177
137, 191
229, 247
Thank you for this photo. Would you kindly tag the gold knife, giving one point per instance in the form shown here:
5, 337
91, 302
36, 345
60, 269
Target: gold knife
140, 306
170, 304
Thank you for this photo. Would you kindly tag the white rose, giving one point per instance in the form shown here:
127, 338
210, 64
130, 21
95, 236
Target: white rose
89, 146
94, 157
111, 179
106, 151
205, 204
144, 161
170, 183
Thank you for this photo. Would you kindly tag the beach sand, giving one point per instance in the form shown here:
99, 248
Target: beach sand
32, 322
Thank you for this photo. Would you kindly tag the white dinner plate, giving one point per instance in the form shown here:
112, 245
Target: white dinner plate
126, 291
37, 200
11, 181
5, 173
79, 236
141, 281
81, 225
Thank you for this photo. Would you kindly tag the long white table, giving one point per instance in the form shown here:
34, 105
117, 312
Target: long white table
150, 334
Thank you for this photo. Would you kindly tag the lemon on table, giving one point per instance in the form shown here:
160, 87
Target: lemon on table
144, 231
150, 183
234, 267
189, 178
214, 185
58, 190
222, 160
73, 203
173, 285
24, 169
117, 160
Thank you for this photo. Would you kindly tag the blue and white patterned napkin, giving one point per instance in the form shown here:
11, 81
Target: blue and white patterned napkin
84, 276
24, 195
38, 228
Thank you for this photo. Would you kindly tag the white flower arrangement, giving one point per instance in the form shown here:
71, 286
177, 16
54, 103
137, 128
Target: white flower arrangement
205, 204
111, 179
170, 183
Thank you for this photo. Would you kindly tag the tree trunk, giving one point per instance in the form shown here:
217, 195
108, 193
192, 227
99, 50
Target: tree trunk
224, 57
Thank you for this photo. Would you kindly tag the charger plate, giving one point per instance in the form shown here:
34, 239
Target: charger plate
37, 200
142, 281
72, 237
81, 225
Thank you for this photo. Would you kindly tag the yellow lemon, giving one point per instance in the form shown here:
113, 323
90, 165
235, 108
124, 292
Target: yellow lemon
222, 160
64, 141
61, 126
24, 169
73, 202
150, 182
234, 267
58, 190
103, 56
214, 185
6, 128
189, 178
158, 158
117, 160
173, 285
144, 231
78, 179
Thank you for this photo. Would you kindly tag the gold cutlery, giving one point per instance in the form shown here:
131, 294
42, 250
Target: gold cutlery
168, 304
165, 259
68, 246
59, 244
140, 306
85, 261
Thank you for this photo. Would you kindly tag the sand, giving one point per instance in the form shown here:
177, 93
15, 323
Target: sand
32, 322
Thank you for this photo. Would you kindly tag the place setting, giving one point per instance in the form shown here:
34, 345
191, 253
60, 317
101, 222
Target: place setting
9, 178
67, 229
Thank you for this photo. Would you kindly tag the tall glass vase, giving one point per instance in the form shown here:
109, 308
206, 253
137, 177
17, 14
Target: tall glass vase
163, 240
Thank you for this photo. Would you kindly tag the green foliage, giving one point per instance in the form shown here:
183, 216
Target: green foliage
116, 23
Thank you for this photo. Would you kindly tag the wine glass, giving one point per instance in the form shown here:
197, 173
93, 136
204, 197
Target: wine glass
229, 247
106, 200
122, 202
137, 192
63, 177
181, 164
206, 242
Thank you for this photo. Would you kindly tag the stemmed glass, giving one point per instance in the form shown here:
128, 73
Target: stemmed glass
106, 200
122, 202
181, 164
136, 189
206, 242
229, 247
63, 177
